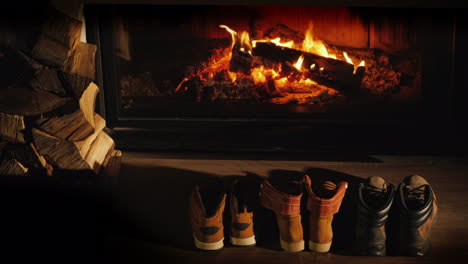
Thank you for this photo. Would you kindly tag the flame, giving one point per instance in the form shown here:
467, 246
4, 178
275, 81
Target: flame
347, 58
232, 32
245, 43
277, 41
313, 46
298, 64
288, 84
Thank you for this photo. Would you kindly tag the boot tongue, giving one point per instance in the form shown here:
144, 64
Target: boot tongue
414, 196
414, 191
376, 182
374, 192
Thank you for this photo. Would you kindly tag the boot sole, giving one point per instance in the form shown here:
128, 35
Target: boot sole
292, 247
319, 247
208, 246
243, 242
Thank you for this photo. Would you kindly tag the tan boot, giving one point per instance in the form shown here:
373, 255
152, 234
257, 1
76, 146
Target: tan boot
206, 216
241, 204
322, 205
286, 203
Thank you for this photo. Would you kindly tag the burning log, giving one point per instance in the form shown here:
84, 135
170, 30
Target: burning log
285, 33
241, 62
331, 72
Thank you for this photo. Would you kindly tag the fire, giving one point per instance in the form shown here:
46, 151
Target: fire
312, 45
245, 43
262, 75
268, 78
298, 64
232, 32
347, 58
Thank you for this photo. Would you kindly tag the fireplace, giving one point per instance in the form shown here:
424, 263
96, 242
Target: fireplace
295, 78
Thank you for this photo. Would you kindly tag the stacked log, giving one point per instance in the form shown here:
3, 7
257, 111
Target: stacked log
48, 125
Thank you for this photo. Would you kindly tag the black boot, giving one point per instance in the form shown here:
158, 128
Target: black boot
374, 198
418, 212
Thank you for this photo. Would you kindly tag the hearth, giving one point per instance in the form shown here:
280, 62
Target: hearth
250, 77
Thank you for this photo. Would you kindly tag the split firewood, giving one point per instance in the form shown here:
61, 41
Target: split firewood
15, 68
74, 126
80, 69
48, 80
67, 155
61, 153
88, 102
99, 150
27, 102
85, 145
12, 167
27, 155
59, 36
11, 128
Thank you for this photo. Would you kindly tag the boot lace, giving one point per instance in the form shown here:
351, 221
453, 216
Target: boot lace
415, 196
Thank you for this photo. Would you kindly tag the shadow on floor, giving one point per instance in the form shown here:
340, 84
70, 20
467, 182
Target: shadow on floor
152, 203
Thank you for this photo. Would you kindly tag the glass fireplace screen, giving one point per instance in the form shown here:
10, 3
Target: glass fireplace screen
267, 60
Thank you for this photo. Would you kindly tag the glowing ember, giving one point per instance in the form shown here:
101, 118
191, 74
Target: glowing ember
265, 79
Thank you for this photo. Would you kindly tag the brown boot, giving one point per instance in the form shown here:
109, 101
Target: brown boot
418, 212
206, 215
241, 203
323, 202
285, 200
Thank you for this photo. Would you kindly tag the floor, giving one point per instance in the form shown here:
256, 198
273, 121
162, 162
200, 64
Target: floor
150, 205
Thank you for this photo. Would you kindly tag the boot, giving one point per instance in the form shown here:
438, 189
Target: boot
241, 204
418, 212
324, 200
206, 215
374, 200
284, 198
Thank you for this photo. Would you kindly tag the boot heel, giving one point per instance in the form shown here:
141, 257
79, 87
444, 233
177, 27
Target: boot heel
292, 246
208, 246
243, 242
319, 247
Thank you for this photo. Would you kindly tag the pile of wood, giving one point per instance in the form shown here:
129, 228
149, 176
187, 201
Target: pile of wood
47, 100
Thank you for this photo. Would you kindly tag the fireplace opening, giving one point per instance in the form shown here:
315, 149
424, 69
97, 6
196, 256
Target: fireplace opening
234, 60
243, 76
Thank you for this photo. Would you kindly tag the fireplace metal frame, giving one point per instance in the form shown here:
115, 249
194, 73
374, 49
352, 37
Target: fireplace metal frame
435, 128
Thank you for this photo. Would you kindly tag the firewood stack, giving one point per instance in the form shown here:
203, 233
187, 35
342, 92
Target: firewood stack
47, 100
